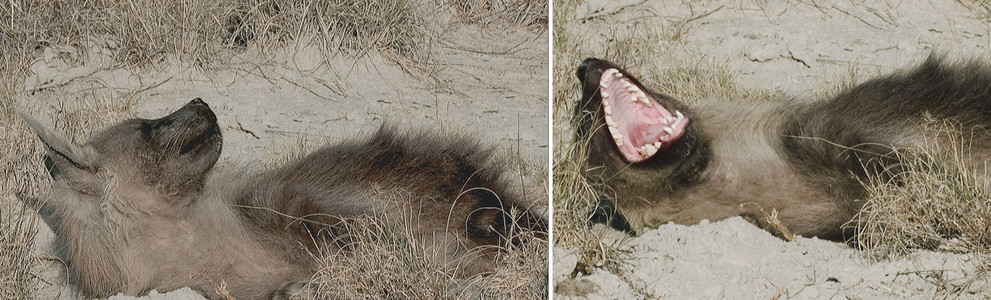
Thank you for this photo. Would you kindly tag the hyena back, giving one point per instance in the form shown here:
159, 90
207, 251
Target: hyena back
665, 161
137, 207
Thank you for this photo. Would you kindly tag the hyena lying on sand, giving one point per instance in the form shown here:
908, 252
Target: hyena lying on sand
663, 160
137, 207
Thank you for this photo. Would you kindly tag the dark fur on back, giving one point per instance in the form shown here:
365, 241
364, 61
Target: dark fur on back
806, 161
880, 116
451, 178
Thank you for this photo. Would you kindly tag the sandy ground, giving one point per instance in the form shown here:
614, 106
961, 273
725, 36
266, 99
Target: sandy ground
486, 83
798, 48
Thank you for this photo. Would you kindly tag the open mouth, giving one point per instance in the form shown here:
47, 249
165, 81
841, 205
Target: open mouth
639, 125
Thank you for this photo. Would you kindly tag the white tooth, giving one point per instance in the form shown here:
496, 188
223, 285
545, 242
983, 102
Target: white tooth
619, 142
668, 130
678, 113
617, 74
610, 122
663, 120
657, 144
648, 150
605, 94
643, 99
608, 110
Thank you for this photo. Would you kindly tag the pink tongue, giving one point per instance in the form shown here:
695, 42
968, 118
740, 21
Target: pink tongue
639, 124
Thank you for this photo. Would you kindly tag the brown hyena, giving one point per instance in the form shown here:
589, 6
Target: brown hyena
665, 161
137, 207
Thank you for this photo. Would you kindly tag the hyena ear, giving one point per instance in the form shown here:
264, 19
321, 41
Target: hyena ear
62, 153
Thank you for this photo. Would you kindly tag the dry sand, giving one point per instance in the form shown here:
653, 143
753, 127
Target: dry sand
487, 83
800, 49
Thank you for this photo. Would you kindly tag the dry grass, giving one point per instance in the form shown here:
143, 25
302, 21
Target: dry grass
144, 33
935, 199
526, 13
17, 223
391, 260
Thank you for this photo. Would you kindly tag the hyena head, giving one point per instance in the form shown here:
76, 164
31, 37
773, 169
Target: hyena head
146, 165
642, 143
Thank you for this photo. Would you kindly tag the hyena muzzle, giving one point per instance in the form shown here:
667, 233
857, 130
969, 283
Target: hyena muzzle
662, 160
137, 207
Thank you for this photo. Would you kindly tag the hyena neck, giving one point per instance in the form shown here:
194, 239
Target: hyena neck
92, 250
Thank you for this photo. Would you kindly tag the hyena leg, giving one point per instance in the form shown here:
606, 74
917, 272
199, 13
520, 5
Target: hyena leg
605, 213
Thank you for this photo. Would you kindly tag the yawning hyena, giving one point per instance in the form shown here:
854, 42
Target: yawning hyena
137, 207
663, 160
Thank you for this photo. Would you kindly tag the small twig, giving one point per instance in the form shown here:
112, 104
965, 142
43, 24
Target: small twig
141, 90
62, 83
703, 15
511, 50
241, 128
608, 13
858, 18
309, 90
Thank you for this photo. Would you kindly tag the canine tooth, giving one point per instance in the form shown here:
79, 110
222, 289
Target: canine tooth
678, 113
657, 144
668, 130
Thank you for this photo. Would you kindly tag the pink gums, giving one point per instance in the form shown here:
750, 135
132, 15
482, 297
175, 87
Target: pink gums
635, 120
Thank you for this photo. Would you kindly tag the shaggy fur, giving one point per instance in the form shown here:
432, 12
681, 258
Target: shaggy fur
137, 207
806, 161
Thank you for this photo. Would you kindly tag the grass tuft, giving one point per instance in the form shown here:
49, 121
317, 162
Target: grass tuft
526, 13
373, 258
936, 199
144, 33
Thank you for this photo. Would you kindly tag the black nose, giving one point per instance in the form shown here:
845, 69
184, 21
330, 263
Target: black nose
198, 101
584, 68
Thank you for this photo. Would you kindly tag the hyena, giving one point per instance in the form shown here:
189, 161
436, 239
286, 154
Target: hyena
136, 207
662, 160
